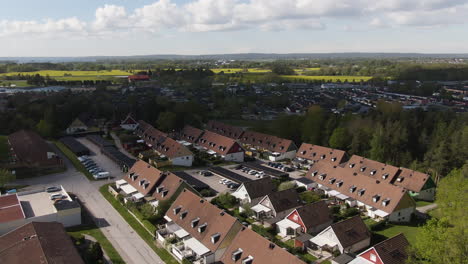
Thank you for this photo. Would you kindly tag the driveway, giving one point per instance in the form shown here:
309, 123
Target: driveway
129, 244
212, 181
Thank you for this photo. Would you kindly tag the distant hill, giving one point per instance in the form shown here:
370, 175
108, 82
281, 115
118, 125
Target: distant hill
242, 56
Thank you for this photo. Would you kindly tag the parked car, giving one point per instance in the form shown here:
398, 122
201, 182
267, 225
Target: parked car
223, 181
102, 175
233, 185
84, 162
238, 167
252, 172
205, 173
83, 158
96, 170
53, 189
57, 196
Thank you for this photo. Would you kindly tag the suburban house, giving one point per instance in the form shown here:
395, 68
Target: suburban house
38, 242
304, 182
249, 247
30, 151
380, 199
166, 188
224, 129
190, 134
276, 148
419, 185
84, 123
204, 232
221, 146
36, 206
350, 235
390, 251
310, 218
252, 191
138, 78
129, 123
140, 181
275, 206
168, 150
309, 154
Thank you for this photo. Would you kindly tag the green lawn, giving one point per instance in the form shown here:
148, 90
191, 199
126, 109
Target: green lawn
162, 253
4, 152
93, 231
72, 157
410, 231
18, 83
308, 258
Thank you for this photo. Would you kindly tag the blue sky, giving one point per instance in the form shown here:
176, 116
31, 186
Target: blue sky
138, 27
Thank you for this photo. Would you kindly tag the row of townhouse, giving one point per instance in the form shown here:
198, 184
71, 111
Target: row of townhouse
312, 228
144, 182
206, 234
168, 150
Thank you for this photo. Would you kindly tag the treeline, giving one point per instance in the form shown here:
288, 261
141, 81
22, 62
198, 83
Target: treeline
39, 80
433, 142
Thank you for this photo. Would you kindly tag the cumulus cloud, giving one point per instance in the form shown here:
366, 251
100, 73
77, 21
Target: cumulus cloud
274, 15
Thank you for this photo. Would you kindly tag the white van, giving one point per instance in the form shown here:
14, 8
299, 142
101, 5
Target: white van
102, 175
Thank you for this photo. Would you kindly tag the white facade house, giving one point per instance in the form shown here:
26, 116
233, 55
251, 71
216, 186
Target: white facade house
37, 206
129, 123
277, 156
185, 161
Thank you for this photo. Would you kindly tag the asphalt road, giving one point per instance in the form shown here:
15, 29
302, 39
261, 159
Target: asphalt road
131, 247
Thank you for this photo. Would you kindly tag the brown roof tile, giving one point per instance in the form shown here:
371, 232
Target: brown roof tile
10, 208
38, 243
319, 153
224, 129
269, 142
171, 148
167, 187
262, 250
218, 222
314, 214
143, 177
31, 149
190, 134
259, 188
371, 168
218, 143
367, 190
351, 231
393, 250
411, 180
284, 200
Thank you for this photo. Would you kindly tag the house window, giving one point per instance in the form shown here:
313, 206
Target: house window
236, 255
385, 202
339, 184
376, 198
385, 176
352, 189
314, 173
183, 214
202, 228
373, 257
195, 222
248, 260
215, 238
351, 165
361, 192
322, 176
363, 169
177, 209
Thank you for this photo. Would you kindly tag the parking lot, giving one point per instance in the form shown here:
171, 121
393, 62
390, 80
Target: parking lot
101, 160
212, 181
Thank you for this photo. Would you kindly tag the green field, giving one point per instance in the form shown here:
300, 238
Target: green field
17, 83
327, 78
93, 231
73, 73
410, 231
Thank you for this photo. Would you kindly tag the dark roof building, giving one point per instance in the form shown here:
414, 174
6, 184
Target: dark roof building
38, 243
75, 146
190, 134
390, 251
10, 208
226, 130
315, 153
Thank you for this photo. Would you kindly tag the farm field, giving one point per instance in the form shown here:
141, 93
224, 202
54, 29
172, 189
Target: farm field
73, 73
236, 70
327, 78
18, 83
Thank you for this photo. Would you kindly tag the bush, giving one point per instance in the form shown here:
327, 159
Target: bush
309, 197
301, 189
225, 201
348, 212
207, 193
286, 185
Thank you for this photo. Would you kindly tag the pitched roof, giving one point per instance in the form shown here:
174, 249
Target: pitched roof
351, 231
218, 222
314, 214
369, 191
259, 188
171, 148
218, 143
319, 153
143, 177
36, 242
129, 120
190, 134
30, 148
406, 178
142, 127
393, 250
269, 142
10, 208
411, 180
167, 187
284, 200
262, 250
224, 129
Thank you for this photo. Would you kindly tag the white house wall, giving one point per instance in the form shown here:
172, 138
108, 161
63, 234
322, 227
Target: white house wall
237, 157
185, 161
426, 195
242, 194
403, 215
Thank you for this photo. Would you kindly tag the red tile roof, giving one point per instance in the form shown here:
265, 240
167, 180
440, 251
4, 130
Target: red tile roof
10, 208
263, 251
36, 242
318, 153
143, 177
167, 187
193, 207
190, 134
218, 143
393, 250
268, 142
411, 180
224, 129
351, 231
314, 214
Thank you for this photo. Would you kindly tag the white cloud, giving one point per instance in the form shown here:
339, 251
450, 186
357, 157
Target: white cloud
218, 15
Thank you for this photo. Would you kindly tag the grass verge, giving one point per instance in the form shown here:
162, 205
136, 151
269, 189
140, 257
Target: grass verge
141, 231
94, 231
423, 203
74, 160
